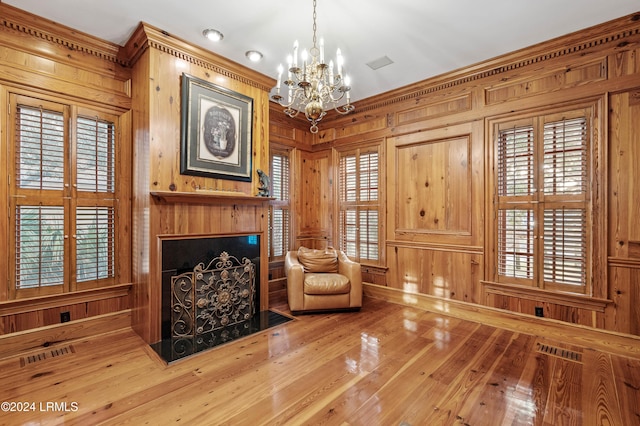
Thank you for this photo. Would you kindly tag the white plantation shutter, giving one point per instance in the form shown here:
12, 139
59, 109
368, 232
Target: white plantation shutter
348, 178
565, 157
515, 243
39, 227
552, 155
95, 224
64, 229
515, 162
95, 174
565, 174
280, 177
565, 246
279, 229
39, 148
95, 153
368, 235
279, 210
39, 246
95, 245
358, 188
349, 232
369, 176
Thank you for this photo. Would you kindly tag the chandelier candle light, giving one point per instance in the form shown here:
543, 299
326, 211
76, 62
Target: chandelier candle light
314, 85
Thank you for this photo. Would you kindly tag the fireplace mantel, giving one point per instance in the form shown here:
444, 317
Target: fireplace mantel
205, 197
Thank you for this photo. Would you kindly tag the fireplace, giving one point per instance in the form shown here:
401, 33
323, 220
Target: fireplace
210, 293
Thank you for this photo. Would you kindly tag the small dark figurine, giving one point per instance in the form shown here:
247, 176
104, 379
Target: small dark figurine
263, 189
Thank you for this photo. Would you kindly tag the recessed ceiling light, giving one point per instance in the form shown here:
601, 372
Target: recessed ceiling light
253, 55
213, 35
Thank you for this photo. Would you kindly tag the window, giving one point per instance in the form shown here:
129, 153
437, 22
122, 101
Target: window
543, 201
63, 211
279, 216
359, 204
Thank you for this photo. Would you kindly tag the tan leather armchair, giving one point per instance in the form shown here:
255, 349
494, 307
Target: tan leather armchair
321, 280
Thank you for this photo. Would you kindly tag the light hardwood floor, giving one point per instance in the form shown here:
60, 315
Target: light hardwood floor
386, 365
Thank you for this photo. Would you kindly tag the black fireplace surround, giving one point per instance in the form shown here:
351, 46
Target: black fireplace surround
210, 294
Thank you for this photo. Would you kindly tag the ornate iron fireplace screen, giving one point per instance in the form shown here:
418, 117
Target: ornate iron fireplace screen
212, 302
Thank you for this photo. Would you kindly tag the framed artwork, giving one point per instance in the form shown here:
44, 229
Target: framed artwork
216, 128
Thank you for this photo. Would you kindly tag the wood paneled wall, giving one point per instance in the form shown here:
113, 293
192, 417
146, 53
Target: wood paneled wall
314, 205
624, 204
436, 150
185, 205
44, 59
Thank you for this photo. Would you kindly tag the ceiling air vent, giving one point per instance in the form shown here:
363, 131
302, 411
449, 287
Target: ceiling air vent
379, 63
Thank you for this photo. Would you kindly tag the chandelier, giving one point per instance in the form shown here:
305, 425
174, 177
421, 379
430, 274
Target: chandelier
313, 85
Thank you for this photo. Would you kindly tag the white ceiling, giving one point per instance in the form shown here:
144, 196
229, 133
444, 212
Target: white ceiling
423, 38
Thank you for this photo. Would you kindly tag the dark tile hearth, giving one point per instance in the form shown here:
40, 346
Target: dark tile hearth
173, 349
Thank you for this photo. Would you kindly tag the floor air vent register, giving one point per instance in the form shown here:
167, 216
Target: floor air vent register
45, 355
560, 353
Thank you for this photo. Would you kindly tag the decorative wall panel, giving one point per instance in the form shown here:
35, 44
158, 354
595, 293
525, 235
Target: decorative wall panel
434, 186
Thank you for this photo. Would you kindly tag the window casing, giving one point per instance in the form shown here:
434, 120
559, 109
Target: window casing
63, 210
359, 231
542, 210
280, 208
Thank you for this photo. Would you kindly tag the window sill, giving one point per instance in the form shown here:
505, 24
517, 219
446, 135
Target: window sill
370, 267
561, 298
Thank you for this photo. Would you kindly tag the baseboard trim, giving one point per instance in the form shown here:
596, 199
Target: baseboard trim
602, 340
22, 341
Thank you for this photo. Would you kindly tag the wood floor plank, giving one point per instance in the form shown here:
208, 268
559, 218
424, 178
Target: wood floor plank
428, 371
626, 377
528, 402
599, 398
493, 399
565, 401
467, 386
385, 365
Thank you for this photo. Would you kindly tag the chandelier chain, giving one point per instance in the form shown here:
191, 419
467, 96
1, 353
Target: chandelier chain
314, 23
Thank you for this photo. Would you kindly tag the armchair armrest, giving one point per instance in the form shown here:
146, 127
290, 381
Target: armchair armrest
295, 281
353, 271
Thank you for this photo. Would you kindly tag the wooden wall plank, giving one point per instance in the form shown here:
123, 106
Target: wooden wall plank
314, 203
13, 344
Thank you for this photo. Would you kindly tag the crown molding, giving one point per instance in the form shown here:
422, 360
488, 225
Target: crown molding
147, 36
30, 25
618, 33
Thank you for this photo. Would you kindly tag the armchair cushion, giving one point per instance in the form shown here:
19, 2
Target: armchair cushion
326, 283
314, 260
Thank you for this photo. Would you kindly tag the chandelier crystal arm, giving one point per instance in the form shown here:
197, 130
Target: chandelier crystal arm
313, 85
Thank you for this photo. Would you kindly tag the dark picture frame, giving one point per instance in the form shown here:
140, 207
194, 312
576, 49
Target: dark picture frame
216, 131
